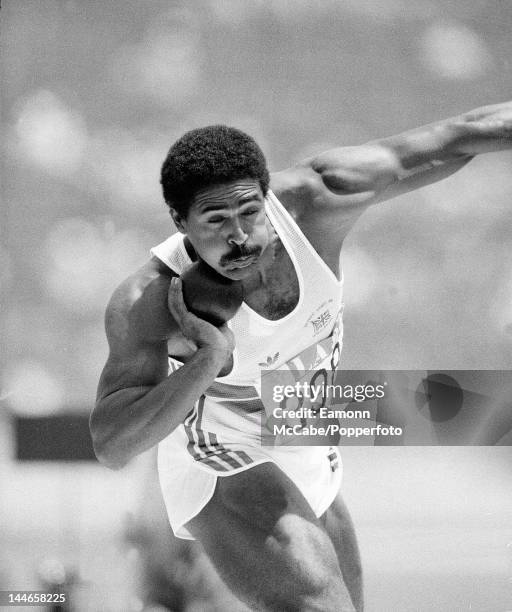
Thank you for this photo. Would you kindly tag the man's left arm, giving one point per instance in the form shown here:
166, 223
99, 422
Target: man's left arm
388, 167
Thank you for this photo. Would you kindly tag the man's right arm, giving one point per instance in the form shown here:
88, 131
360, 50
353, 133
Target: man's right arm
138, 403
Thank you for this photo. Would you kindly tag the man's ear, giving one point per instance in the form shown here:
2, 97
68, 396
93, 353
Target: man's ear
178, 220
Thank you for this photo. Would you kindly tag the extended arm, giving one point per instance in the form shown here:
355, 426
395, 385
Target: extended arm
138, 404
382, 169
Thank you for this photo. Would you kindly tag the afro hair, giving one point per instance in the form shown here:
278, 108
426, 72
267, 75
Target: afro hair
206, 157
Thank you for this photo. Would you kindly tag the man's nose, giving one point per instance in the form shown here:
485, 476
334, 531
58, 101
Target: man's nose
237, 235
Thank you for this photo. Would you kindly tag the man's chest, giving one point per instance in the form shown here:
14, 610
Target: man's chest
276, 292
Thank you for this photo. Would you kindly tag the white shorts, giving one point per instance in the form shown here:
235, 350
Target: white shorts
202, 449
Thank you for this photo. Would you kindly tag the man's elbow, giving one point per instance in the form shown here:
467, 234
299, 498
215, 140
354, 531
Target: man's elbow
105, 447
108, 459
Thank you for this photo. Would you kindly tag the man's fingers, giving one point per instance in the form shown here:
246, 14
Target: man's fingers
176, 301
195, 329
228, 334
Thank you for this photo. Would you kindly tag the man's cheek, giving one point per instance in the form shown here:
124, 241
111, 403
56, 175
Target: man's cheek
262, 236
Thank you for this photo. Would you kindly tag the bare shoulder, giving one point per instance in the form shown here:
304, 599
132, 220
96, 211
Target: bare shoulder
325, 195
137, 311
296, 187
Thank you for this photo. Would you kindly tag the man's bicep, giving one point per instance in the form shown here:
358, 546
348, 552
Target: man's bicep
139, 369
367, 174
356, 174
134, 361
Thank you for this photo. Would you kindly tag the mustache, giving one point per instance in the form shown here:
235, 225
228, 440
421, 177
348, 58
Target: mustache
239, 251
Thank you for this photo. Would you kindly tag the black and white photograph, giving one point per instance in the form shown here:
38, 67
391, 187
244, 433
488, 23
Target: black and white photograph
256, 306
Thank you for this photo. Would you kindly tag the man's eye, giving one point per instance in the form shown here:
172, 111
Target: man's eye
248, 213
215, 219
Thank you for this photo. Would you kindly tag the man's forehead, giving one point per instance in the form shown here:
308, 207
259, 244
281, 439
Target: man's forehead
226, 194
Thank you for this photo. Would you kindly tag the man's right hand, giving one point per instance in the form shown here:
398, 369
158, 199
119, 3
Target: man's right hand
219, 340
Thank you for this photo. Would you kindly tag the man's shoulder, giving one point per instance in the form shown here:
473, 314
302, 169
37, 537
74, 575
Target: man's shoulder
302, 191
138, 306
297, 187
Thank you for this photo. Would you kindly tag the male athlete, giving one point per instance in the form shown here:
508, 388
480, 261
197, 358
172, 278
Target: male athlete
270, 518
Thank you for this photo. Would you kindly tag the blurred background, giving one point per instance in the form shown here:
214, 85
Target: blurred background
93, 94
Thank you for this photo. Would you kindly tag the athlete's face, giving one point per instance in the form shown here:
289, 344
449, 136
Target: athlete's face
227, 226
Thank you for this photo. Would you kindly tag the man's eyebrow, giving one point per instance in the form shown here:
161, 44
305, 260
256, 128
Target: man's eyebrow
249, 197
213, 206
